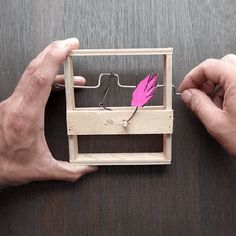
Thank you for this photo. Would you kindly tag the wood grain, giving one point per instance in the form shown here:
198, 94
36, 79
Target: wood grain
70, 104
167, 102
196, 194
102, 122
121, 52
97, 159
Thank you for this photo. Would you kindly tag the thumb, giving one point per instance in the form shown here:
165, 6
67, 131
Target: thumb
64, 170
203, 107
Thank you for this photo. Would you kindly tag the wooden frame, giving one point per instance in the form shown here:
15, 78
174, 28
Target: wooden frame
107, 122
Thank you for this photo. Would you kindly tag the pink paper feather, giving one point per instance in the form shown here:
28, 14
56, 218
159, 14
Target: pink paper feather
144, 91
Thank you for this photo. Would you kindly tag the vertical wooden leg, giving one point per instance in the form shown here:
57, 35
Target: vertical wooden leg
167, 144
70, 105
167, 101
73, 147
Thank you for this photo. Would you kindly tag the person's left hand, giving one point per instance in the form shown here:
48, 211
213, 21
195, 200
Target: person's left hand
24, 153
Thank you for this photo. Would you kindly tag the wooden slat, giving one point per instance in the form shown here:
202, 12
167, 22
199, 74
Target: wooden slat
167, 145
70, 104
102, 122
119, 108
167, 90
167, 99
69, 83
152, 158
121, 52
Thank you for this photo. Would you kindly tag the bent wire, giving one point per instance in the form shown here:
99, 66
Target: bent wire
113, 75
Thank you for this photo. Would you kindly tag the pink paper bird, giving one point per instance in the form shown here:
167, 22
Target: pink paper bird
144, 91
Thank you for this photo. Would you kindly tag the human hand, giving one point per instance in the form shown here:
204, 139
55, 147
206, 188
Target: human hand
210, 91
24, 153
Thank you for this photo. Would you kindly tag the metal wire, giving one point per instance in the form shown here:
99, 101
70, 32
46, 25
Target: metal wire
101, 103
113, 75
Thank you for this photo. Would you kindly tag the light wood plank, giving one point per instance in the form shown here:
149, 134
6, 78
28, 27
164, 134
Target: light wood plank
167, 145
121, 159
103, 122
167, 81
129, 108
69, 83
167, 93
121, 52
70, 104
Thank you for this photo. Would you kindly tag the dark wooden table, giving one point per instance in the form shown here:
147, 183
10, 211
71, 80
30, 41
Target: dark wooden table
196, 194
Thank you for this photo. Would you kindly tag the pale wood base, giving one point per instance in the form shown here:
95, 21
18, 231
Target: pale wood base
152, 158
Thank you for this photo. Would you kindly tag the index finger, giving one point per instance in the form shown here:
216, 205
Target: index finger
216, 71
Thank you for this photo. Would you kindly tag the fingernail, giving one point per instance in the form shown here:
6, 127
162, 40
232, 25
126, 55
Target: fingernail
70, 41
79, 79
186, 96
180, 87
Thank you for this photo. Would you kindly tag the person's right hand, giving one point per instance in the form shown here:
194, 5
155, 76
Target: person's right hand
210, 91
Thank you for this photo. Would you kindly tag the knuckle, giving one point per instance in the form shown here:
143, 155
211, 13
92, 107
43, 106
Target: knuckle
32, 66
229, 57
210, 62
38, 80
55, 44
57, 51
188, 77
54, 50
53, 53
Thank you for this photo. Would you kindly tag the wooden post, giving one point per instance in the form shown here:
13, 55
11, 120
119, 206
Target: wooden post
70, 104
167, 102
